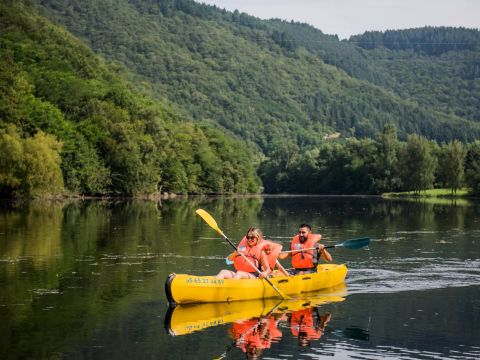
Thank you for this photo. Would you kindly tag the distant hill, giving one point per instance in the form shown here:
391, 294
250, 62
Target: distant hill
271, 82
437, 67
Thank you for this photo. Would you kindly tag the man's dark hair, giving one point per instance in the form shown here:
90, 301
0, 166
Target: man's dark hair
305, 225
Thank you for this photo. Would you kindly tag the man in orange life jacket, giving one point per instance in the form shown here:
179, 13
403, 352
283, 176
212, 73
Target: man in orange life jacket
252, 246
305, 261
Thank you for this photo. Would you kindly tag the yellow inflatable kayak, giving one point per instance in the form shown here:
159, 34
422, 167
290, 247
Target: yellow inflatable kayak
186, 289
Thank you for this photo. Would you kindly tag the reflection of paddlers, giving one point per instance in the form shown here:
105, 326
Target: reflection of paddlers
254, 335
308, 324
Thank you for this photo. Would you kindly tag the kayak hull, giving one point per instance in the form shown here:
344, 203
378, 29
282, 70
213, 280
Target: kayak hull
188, 289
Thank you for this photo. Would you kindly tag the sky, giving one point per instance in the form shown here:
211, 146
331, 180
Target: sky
351, 17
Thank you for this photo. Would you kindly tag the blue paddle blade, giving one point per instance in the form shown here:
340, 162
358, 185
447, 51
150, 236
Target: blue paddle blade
228, 261
355, 243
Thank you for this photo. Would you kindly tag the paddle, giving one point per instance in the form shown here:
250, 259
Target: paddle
352, 244
213, 224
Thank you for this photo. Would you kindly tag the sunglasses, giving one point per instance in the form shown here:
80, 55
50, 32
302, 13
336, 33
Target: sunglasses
249, 238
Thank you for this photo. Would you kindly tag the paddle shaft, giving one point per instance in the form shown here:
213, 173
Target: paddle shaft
313, 248
347, 244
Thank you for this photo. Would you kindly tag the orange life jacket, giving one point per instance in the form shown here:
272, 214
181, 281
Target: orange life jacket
302, 322
252, 253
247, 333
273, 256
274, 334
304, 259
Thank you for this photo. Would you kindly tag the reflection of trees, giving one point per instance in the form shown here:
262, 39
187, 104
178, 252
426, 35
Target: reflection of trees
70, 264
32, 231
73, 264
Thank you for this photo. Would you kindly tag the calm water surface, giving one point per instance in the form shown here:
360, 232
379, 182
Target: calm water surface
86, 280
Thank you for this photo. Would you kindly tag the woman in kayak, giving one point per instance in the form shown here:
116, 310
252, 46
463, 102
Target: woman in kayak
251, 246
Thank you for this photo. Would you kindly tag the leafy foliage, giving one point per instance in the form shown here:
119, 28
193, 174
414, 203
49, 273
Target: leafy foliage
30, 166
472, 167
452, 164
111, 139
373, 166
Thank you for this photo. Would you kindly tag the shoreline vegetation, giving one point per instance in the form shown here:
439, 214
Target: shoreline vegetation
441, 193
431, 193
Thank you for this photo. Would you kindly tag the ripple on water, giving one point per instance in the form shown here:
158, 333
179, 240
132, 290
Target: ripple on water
348, 350
414, 274
46, 291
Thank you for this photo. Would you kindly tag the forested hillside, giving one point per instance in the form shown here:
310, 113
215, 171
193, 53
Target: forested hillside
187, 98
435, 67
269, 82
438, 67
69, 123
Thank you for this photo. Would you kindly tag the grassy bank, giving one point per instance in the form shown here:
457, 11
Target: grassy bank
439, 193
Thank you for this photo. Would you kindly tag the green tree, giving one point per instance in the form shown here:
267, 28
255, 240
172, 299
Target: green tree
42, 161
12, 167
387, 178
30, 166
418, 164
451, 164
472, 167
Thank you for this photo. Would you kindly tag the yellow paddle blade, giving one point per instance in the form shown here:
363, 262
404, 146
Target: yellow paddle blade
209, 220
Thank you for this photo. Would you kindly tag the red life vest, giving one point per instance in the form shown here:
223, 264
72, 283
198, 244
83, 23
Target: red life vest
252, 253
274, 334
302, 322
304, 259
273, 256
246, 332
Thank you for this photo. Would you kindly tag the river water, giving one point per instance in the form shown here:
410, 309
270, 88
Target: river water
81, 280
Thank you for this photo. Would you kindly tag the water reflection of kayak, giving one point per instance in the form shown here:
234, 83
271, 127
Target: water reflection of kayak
184, 289
185, 319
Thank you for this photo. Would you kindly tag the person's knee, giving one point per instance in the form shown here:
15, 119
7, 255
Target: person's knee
238, 275
224, 274
241, 275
